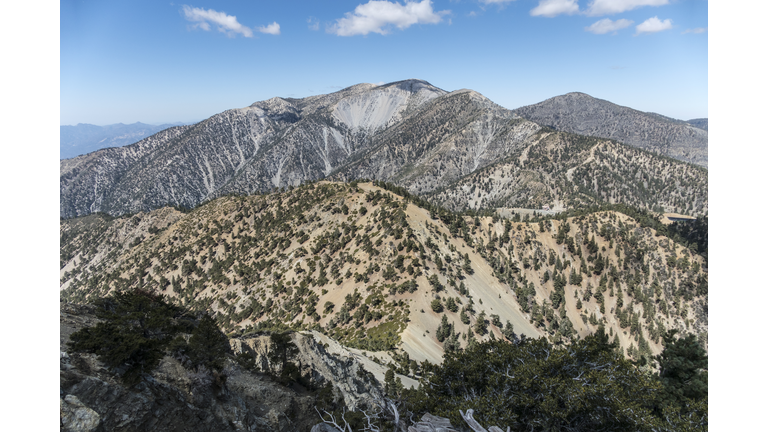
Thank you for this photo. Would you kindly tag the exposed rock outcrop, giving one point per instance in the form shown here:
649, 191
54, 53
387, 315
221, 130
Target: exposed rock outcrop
174, 398
355, 384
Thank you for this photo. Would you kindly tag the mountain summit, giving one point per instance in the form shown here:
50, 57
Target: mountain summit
583, 114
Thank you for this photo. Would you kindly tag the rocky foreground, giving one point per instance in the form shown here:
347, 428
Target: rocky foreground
174, 398
239, 398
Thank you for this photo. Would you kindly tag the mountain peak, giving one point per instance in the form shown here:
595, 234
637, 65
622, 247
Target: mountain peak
411, 84
578, 95
583, 114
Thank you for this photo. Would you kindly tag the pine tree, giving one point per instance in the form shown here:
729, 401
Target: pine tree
437, 305
135, 329
443, 331
682, 369
464, 317
451, 305
509, 332
480, 325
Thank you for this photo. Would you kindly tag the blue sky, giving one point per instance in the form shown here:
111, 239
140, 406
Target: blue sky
155, 62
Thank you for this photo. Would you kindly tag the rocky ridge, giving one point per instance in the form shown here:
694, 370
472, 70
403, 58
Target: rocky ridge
561, 170
409, 133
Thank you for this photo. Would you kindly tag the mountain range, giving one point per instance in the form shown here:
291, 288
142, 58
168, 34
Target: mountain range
410, 133
355, 260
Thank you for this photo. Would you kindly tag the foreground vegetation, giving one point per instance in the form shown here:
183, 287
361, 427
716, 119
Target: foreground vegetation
530, 385
522, 383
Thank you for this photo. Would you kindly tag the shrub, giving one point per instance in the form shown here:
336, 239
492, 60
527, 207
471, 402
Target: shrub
437, 305
137, 326
532, 385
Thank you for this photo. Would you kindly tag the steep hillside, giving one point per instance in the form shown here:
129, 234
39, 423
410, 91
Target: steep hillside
563, 170
449, 138
379, 271
582, 114
409, 133
273, 143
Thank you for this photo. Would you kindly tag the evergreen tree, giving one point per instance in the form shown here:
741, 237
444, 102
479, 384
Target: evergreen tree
437, 305
135, 329
682, 369
532, 385
208, 345
281, 350
509, 332
481, 326
463, 316
452, 341
443, 330
467, 266
451, 305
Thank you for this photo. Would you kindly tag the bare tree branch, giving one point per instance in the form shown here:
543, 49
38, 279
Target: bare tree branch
473, 424
332, 421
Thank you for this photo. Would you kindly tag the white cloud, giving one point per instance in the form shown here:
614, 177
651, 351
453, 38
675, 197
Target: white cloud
313, 23
226, 23
375, 16
552, 8
607, 26
610, 7
653, 25
696, 30
273, 29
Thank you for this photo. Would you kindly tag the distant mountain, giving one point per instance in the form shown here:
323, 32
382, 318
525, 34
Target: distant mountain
85, 138
585, 115
700, 123
409, 133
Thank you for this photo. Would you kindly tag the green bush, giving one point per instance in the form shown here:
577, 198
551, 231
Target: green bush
437, 305
138, 328
531, 385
